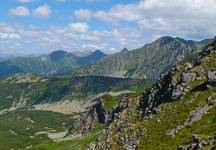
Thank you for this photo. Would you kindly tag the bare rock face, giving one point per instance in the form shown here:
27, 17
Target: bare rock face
188, 66
212, 77
177, 92
188, 77
97, 113
198, 143
122, 105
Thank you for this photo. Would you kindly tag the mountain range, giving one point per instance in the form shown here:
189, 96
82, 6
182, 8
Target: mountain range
54, 62
149, 61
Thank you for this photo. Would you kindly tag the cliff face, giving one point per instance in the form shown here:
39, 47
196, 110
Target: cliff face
105, 110
178, 112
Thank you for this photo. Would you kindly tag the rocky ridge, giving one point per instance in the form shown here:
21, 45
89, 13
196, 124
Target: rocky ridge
148, 61
181, 100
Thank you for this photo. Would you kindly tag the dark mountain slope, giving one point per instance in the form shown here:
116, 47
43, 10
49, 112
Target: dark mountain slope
92, 58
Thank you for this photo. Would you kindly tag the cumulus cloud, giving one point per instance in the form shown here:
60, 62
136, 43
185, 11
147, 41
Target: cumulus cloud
43, 11
79, 27
9, 36
72, 37
192, 18
19, 11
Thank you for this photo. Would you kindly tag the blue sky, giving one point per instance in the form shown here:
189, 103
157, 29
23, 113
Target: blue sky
41, 26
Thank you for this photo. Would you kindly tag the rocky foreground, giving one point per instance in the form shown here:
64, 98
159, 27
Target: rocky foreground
178, 112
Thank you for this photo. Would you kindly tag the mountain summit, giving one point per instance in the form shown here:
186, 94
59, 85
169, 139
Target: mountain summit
92, 58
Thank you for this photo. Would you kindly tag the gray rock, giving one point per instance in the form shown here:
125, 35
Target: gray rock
188, 77
188, 66
177, 92
212, 77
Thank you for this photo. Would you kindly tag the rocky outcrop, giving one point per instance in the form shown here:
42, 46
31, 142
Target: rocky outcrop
188, 77
121, 131
195, 115
25, 78
124, 101
98, 114
212, 77
198, 143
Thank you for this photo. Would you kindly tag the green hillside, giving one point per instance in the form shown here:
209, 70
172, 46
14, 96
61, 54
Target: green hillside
22, 90
57, 61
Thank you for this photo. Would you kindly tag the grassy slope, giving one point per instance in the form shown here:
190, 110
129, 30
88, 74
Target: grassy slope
19, 123
54, 89
176, 113
77, 144
172, 115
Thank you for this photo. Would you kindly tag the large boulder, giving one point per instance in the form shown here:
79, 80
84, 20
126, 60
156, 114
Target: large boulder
188, 77
177, 92
212, 77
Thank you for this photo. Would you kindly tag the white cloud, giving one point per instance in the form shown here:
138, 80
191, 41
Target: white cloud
9, 36
83, 14
191, 18
79, 27
118, 13
145, 20
20, 11
25, 1
43, 11
158, 24
6, 28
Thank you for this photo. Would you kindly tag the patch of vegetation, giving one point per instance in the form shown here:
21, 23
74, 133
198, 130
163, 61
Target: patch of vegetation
77, 144
109, 101
19, 129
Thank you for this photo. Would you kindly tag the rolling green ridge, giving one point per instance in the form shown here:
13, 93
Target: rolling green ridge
34, 89
57, 61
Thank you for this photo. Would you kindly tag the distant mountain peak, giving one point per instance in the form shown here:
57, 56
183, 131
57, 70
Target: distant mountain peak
97, 52
57, 55
166, 38
125, 50
58, 52
93, 57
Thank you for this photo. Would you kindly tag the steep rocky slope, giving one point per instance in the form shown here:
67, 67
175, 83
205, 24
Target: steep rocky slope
178, 112
148, 61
